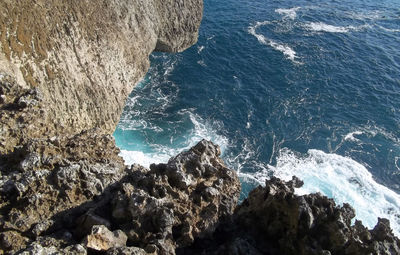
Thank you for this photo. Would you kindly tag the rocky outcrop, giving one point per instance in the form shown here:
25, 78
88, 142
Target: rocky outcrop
273, 220
174, 203
68, 66
66, 69
103, 207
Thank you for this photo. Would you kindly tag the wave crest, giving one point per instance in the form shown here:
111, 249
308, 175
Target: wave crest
343, 179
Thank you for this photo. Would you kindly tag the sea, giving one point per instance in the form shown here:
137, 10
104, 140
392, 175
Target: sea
306, 88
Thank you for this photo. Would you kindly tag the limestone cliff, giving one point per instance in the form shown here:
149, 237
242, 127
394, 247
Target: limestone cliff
68, 66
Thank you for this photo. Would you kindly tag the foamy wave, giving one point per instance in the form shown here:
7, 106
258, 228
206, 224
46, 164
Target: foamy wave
205, 130
287, 51
323, 27
144, 159
341, 178
350, 136
288, 13
161, 153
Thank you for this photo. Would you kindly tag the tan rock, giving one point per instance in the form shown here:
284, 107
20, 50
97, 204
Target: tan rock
102, 239
84, 58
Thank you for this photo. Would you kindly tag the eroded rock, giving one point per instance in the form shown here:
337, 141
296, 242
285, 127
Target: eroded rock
102, 239
273, 220
69, 66
174, 203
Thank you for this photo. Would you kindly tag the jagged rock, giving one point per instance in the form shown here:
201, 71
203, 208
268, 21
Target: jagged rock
102, 239
11, 240
174, 203
87, 221
66, 69
273, 220
127, 251
37, 249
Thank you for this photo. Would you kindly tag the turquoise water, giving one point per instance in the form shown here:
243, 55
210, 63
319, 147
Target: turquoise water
306, 88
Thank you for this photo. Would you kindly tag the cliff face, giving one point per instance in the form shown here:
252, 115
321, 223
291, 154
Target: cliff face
66, 69
68, 66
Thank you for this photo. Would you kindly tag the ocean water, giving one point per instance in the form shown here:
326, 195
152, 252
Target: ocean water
305, 88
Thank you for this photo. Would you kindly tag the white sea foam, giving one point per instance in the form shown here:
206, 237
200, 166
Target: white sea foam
371, 131
397, 162
200, 49
341, 178
287, 51
288, 13
350, 136
210, 38
161, 153
366, 15
323, 27
138, 157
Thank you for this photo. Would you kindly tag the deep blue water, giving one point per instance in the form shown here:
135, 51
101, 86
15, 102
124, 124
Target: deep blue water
306, 88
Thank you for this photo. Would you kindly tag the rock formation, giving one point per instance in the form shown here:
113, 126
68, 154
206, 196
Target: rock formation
66, 69
98, 206
273, 220
68, 66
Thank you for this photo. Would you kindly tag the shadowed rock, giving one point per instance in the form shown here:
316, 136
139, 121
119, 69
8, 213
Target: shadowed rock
273, 220
156, 210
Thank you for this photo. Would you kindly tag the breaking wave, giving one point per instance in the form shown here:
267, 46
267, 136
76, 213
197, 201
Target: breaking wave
340, 178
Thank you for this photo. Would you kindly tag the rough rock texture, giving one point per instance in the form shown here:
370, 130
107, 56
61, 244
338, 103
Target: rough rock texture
68, 66
174, 203
156, 210
66, 69
273, 220
102, 239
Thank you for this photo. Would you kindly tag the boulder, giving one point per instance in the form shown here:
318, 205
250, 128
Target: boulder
102, 239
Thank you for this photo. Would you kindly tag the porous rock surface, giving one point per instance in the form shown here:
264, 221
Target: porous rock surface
66, 69
68, 66
274, 220
87, 206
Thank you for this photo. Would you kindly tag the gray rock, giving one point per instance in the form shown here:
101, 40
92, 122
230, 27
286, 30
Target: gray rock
273, 220
38, 249
86, 222
127, 251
